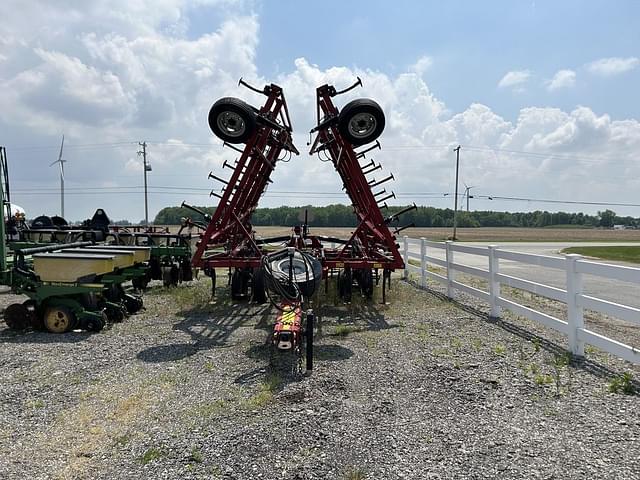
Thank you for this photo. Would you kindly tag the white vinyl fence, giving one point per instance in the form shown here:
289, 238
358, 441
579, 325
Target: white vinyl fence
574, 297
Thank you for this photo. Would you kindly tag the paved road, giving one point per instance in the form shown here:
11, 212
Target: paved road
612, 290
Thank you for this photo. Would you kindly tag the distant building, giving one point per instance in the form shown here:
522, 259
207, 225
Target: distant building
619, 227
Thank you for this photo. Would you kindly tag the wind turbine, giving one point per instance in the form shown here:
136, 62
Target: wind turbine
467, 193
61, 162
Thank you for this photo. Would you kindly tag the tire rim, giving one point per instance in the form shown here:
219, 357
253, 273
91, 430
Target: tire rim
361, 125
57, 320
231, 124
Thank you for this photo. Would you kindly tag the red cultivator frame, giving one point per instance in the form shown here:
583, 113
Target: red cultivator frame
229, 240
371, 246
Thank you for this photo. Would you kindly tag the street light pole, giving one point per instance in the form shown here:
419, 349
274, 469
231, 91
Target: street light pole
455, 208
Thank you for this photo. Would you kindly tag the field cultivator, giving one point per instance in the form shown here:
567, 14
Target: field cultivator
289, 277
228, 241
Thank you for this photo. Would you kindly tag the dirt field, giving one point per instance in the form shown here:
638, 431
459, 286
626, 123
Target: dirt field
488, 234
418, 389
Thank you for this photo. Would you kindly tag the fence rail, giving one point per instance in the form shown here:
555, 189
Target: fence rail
573, 295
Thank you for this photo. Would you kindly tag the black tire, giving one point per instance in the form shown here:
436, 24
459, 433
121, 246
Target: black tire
166, 275
236, 285
232, 120
16, 316
309, 338
155, 268
345, 282
258, 291
97, 324
366, 282
187, 270
176, 275
361, 121
133, 303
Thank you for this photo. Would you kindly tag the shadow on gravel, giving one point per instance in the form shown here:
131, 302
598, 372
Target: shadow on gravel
209, 327
322, 352
585, 364
32, 336
167, 353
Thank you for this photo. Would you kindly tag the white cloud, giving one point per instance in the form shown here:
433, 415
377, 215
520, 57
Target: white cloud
514, 78
102, 76
562, 79
422, 65
608, 67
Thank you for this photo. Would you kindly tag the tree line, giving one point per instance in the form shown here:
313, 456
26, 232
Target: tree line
342, 216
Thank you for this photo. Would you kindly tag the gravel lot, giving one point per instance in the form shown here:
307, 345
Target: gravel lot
421, 388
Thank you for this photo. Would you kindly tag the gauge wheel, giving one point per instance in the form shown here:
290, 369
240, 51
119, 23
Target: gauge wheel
232, 120
97, 324
258, 287
16, 316
59, 319
361, 121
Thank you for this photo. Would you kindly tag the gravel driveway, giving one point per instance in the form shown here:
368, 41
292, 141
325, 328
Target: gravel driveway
417, 389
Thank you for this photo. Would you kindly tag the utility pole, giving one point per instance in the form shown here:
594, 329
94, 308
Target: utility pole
146, 168
455, 208
61, 162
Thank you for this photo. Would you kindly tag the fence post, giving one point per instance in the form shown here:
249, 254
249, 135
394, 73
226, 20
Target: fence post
494, 283
405, 255
575, 319
450, 272
423, 262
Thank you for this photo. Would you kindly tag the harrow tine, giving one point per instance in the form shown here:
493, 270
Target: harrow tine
211, 175
225, 144
377, 167
395, 216
370, 164
380, 193
228, 165
362, 153
373, 183
393, 195
398, 230
214, 194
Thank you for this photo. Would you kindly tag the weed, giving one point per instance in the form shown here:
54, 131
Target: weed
623, 384
266, 392
499, 350
344, 330
477, 344
559, 363
455, 343
355, 474
38, 403
196, 455
211, 409
542, 379
122, 440
150, 455
209, 366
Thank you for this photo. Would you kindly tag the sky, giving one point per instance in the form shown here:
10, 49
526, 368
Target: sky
542, 96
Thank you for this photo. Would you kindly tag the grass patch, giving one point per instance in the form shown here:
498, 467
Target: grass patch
622, 253
266, 392
196, 455
150, 455
623, 384
355, 474
344, 330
